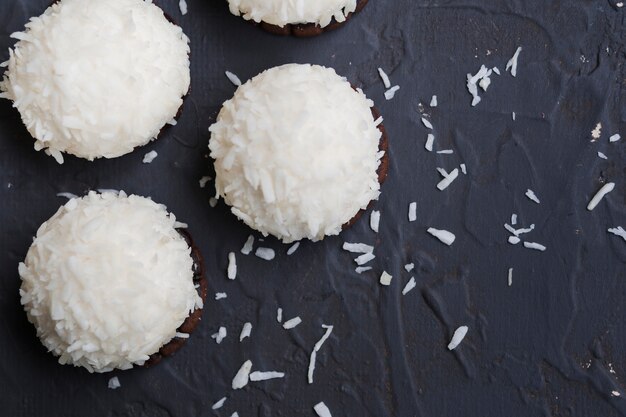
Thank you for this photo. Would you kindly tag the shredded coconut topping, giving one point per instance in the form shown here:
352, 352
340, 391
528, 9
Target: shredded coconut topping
457, 338
296, 152
281, 13
107, 281
98, 78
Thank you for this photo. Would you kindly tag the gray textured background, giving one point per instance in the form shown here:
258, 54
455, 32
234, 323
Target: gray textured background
553, 344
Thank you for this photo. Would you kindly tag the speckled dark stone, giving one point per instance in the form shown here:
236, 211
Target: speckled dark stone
553, 344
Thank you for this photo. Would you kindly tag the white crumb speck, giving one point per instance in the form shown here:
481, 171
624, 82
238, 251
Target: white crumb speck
444, 236
618, 231
409, 286
265, 253
430, 140
596, 132
220, 295
247, 247
233, 78
427, 123
601, 155
365, 258
293, 248
375, 220
391, 93
409, 267
615, 137
433, 102
385, 279
204, 180
114, 383
246, 330
291, 323
457, 337
243, 375
606, 188
322, 410
182, 5
413, 211
361, 269
463, 169
535, 246
279, 315
220, 335
316, 348
232, 266
510, 277
219, 404
149, 157
514, 240
212, 201
512, 64
445, 183
264, 376
532, 196
384, 77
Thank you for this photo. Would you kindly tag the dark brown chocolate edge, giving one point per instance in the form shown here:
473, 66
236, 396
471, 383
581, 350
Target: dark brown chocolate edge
307, 30
192, 321
383, 167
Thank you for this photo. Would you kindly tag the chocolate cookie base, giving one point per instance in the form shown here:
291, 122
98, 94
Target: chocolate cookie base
191, 322
383, 168
307, 30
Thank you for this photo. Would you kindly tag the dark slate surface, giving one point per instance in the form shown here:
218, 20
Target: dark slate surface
553, 344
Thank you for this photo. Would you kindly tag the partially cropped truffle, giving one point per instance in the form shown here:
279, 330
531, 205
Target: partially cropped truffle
297, 152
109, 282
97, 78
296, 17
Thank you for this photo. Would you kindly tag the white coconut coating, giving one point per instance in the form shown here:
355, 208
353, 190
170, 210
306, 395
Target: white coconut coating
296, 152
283, 12
107, 281
97, 78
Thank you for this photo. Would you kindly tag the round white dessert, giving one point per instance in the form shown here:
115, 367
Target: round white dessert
297, 152
284, 12
108, 280
97, 78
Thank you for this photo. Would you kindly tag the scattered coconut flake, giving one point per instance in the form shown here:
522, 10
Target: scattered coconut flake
532, 196
409, 286
265, 253
246, 330
114, 383
316, 348
496, 70
232, 266
534, 245
220, 295
385, 78
412, 211
620, 4
433, 101
606, 188
361, 269
291, 323
293, 248
322, 410
484, 83
510, 276
615, 137
601, 155
463, 169
391, 93
357, 247
457, 338
233, 78
521, 231
219, 404
443, 235
444, 183
182, 4
235, 414
472, 81
247, 247
365, 258
427, 123
514, 240
204, 180
385, 279
172, 122
220, 335
375, 220
596, 132
257, 376
378, 121
513, 219
512, 64
446, 152
430, 139
618, 231
616, 393
69, 196
243, 375
409, 267
279, 315
149, 157
182, 335
513, 116
212, 201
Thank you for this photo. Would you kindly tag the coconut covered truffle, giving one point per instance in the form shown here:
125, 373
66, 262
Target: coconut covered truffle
108, 281
288, 12
97, 78
297, 152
